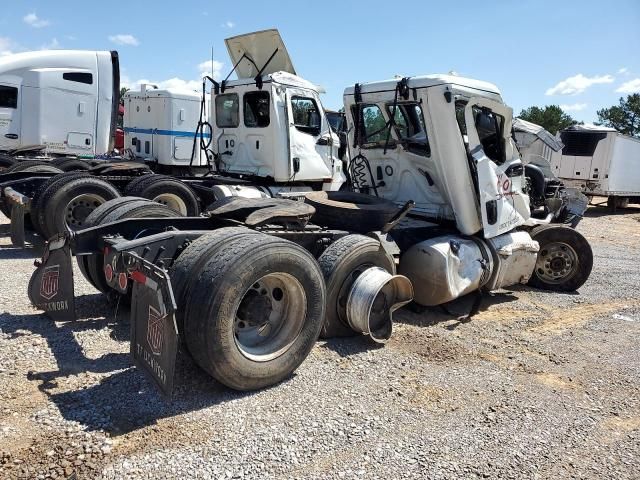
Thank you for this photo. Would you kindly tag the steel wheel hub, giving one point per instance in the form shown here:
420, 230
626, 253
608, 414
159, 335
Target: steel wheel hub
556, 262
270, 317
79, 208
173, 201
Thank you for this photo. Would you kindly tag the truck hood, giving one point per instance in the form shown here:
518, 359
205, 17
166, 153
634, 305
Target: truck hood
259, 46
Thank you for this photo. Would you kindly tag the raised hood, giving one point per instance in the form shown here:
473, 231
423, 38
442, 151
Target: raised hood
259, 46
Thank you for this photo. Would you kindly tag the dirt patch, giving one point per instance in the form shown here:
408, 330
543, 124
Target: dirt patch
556, 382
559, 321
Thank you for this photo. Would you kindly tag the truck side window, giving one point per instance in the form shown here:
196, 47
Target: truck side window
227, 110
306, 115
80, 77
490, 129
256, 109
410, 127
490, 126
8, 97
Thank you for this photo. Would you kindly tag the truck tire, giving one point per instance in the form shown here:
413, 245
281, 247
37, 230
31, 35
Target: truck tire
36, 166
131, 186
71, 201
138, 208
351, 211
341, 263
564, 261
256, 310
6, 161
42, 196
71, 164
189, 264
93, 219
168, 191
617, 202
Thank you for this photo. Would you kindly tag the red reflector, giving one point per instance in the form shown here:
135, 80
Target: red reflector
122, 281
108, 272
139, 277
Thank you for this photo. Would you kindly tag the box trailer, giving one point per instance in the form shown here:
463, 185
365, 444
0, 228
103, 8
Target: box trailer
600, 162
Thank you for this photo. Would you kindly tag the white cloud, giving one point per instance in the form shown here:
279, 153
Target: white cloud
623, 70
208, 66
33, 20
632, 86
228, 24
6, 46
124, 39
203, 68
54, 44
574, 107
577, 84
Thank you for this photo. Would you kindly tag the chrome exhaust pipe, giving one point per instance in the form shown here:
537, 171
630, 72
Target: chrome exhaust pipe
373, 298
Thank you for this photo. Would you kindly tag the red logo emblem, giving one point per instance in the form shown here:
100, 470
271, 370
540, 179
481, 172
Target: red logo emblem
50, 280
155, 331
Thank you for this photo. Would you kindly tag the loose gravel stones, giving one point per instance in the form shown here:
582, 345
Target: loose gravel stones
538, 385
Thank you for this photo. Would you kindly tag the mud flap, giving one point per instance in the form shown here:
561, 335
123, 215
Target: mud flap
17, 225
154, 334
51, 285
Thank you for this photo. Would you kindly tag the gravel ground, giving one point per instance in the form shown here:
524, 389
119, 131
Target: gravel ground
538, 385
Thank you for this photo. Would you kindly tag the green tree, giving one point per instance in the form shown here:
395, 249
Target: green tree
551, 117
123, 90
624, 117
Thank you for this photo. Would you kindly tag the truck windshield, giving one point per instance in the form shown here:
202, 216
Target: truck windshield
227, 111
410, 127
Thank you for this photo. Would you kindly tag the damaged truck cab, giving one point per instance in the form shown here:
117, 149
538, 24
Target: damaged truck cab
445, 142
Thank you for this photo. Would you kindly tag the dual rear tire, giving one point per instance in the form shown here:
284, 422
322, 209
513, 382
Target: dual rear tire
250, 306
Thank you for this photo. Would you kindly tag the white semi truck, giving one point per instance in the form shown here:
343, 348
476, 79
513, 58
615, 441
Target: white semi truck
437, 193
600, 162
59, 102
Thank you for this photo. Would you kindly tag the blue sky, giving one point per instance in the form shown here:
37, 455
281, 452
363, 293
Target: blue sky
583, 54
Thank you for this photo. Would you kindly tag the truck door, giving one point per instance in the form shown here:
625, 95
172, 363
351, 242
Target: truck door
9, 116
311, 141
499, 170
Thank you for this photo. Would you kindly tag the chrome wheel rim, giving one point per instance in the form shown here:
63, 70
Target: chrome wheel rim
173, 201
270, 317
556, 262
79, 208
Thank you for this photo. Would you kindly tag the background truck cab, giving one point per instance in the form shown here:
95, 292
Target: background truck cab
64, 102
270, 122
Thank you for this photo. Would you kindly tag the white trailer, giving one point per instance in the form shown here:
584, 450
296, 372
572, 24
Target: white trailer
600, 162
61, 101
160, 127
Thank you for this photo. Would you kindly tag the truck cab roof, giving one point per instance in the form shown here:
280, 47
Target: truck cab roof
426, 81
282, 78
